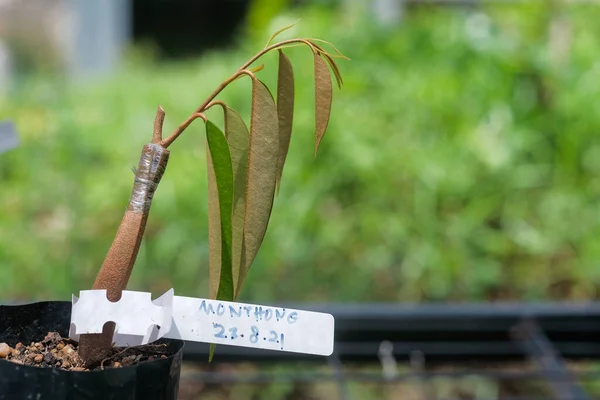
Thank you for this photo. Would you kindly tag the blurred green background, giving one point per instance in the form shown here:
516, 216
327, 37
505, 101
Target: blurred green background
461, 163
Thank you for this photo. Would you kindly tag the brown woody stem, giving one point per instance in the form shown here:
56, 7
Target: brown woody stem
198, 113
242, 70
119, 261
158, 125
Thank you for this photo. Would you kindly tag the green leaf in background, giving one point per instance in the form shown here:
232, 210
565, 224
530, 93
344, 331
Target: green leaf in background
223, 180
323, 98
260, 13
285, 110
238, 137
262, 173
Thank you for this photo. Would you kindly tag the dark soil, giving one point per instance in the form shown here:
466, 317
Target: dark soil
58, 352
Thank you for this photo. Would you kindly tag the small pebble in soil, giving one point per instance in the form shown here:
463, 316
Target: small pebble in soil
5, 350
55, 351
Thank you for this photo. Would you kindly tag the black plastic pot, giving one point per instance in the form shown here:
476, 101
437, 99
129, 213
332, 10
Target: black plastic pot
149, 380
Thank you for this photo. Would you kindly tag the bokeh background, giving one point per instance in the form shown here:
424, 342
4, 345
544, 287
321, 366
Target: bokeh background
461, 163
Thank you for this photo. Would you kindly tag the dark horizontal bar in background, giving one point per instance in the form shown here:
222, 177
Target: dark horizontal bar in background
456, 332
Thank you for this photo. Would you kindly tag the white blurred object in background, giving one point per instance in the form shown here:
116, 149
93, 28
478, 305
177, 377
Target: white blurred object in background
5, 68
80, 37
388, 12
101, 31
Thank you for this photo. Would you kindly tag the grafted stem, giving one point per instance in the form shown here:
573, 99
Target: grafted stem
118, 264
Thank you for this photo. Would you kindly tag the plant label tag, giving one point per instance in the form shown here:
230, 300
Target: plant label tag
139, 320
8, 136
249, 325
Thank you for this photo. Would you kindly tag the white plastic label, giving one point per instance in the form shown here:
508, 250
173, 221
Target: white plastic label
249, 325
140, 320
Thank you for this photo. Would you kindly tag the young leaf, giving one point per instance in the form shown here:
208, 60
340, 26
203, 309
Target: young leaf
277, 33
339, 53
262, 173
239, 141
336, 70
285, 110
258, 68
221, 160
323, 98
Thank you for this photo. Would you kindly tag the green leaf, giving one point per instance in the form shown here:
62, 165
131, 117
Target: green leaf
211, 352
238, 137
323, 98
262, 173
221, 178
223, 173
285, 110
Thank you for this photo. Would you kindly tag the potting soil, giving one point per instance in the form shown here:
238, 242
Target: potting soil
54, 351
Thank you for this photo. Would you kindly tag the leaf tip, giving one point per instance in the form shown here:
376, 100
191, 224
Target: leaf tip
211, 352
317, 143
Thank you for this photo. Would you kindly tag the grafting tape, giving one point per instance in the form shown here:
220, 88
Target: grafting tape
150, 170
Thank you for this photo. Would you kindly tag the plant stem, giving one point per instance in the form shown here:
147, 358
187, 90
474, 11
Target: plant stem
275, 46
241, 70
158, 125
118, 264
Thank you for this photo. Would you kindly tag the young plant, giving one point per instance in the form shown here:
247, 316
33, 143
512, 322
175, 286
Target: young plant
244, 173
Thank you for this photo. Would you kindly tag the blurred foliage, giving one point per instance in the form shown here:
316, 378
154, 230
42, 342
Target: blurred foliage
458, 384
260, 14
462, 162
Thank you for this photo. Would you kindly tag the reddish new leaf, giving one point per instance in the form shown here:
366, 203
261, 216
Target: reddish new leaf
285, 110
239, 140
336, 70
323, 98
262, 173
